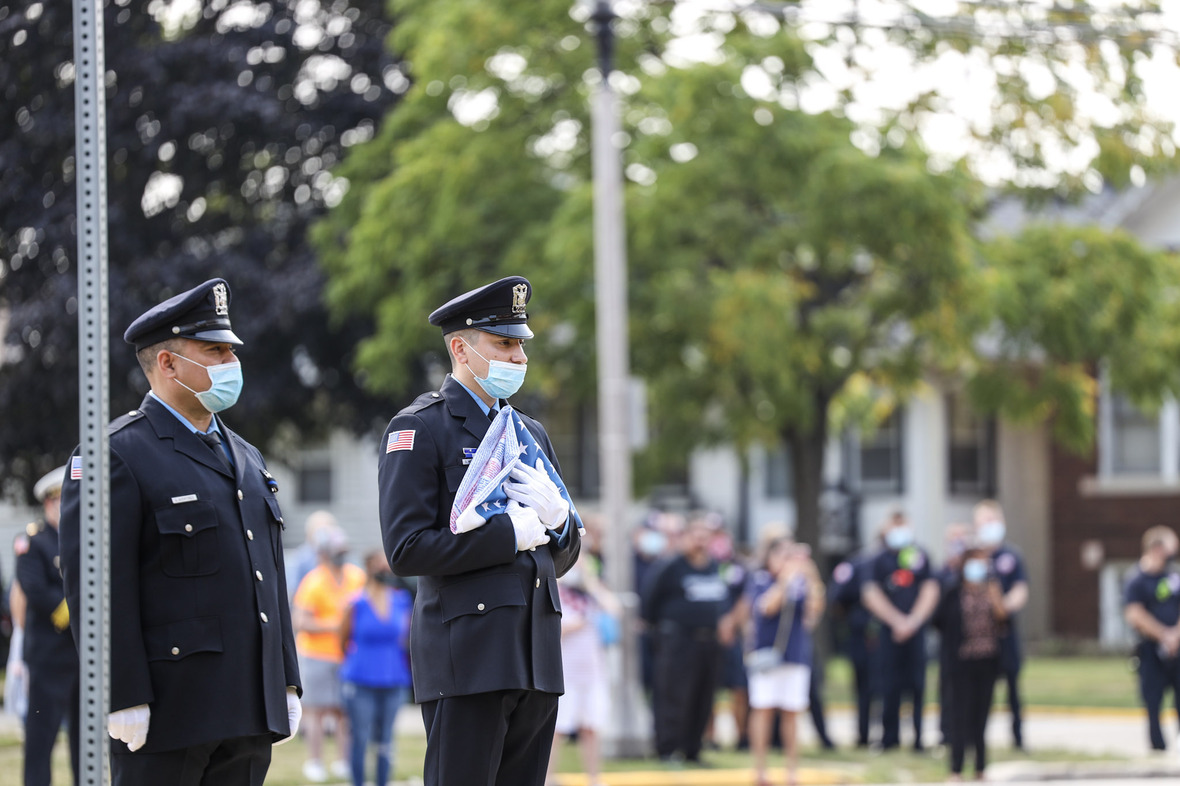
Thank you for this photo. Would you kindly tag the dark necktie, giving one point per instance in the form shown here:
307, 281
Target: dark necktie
213, 440
492, 414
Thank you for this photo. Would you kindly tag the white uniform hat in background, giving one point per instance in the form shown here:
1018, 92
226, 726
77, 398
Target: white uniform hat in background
49, 483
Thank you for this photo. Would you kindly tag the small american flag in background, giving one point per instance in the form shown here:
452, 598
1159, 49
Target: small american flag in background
76, 468
400, 440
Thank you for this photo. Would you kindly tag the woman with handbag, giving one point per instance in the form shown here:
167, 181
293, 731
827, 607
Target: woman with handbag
786, 601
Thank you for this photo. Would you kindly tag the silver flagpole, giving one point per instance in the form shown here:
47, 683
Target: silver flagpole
93, 386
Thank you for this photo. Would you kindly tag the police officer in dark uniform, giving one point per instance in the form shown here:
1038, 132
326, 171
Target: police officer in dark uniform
683, 603
204, 677
863, 634
901, 592
485, 644
49, 649
1152, 609
1008, 566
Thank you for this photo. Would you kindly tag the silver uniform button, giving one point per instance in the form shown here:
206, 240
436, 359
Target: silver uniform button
538, 582
250, 534
262, 614
240, 495
480, 607
258, 575
188, 527
176, 650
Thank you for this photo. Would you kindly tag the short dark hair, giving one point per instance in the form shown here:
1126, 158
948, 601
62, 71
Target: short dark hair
147, 355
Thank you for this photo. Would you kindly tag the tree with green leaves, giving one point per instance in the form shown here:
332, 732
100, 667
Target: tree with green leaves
222, 128
789, 270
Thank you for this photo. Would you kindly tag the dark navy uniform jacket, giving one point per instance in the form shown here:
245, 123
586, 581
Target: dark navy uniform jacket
486, 617
200, 625
900, 575
1008, 566
844, 590
46, 649
1158, 593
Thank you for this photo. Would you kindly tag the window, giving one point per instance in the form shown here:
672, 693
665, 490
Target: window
315, 483
876, 458
778, 473
971, 446
1135, 439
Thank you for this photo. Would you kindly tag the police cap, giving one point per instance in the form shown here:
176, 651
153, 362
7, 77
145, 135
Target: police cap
497, 308
50, 483
201, 313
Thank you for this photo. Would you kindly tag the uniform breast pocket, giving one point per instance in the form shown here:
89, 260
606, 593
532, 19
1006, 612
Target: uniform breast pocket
455, 477
188, 539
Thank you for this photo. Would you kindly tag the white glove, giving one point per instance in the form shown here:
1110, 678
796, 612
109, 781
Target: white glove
530, 532
535, 490
130, 725
294, 714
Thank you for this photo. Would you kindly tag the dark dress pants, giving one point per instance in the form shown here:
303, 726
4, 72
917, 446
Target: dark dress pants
1010, 663
973, 684
1156, 676
864, 655
53, 698
241, 761
687, 662
904, 670
501, 738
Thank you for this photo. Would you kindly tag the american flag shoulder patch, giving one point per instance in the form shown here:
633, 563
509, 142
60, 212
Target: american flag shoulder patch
76, 468
400, 440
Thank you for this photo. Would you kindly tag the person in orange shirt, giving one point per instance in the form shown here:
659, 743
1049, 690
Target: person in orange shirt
318, 612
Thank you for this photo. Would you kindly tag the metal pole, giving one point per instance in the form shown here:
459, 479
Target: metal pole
614, 451
93, 388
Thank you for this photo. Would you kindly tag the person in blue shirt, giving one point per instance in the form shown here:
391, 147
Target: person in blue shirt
1152, 609
902, 593
1008, 566
785, 600
375, 675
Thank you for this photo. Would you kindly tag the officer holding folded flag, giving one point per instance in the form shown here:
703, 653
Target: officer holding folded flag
485, 644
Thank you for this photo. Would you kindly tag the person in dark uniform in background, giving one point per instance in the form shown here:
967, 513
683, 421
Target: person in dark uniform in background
1008, 567
863, 631
203, 670
683, 602
901, 592
49, 650
485, 643
955, 541
1152, 609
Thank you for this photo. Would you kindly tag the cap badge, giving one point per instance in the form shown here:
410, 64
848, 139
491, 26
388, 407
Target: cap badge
519, 293
220, 300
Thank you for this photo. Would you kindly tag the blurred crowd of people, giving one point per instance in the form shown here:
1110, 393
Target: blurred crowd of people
712, 617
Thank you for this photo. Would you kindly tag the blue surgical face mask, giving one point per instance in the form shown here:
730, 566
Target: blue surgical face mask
975, 571
225, 385
503, 379
651, 543
991, 533
899, 537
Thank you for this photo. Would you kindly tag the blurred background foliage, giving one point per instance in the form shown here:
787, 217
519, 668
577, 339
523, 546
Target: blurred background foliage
802, 251
224, 122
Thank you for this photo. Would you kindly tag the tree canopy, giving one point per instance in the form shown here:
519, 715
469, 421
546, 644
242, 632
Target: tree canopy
223, 128
790, 270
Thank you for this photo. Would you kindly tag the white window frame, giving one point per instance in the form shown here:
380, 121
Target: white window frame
1169, 430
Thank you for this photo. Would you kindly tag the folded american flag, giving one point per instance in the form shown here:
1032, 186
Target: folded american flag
481, 493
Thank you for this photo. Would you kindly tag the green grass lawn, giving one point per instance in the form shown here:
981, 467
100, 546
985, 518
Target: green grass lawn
1047, 682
